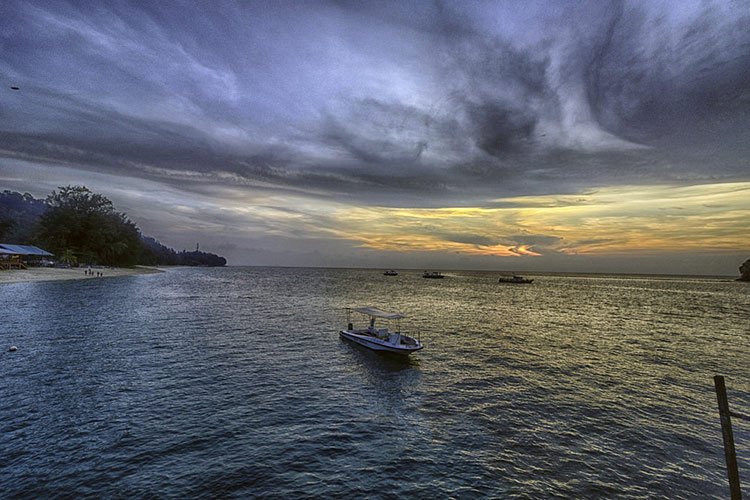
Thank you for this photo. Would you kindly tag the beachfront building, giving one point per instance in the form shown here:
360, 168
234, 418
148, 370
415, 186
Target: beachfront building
19, 256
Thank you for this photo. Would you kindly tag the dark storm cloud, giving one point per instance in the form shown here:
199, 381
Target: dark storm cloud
372, 132
499, 129
679, 88
498, 92
414, 104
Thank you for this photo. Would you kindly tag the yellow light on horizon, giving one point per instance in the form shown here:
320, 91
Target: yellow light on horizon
610, 220
606, 221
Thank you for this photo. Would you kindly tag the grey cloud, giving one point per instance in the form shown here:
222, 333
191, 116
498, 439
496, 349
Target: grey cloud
539, 243
480, 241
499, 129
595, 241
254, 95
535, 239
683, 88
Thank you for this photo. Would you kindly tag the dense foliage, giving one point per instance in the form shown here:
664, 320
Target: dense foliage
87, 224
155, 253
18, 216
80, 226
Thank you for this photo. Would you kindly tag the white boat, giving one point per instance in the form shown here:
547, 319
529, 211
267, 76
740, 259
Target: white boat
380, 339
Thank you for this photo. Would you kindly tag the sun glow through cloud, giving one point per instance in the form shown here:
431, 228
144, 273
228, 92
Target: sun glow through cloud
606, 221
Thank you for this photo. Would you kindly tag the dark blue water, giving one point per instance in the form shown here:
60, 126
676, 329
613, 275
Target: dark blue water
234, 382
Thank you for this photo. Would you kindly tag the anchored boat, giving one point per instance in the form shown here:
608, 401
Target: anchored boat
380, 339
515, 279
433, 275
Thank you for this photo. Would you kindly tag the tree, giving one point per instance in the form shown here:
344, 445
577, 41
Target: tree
5, 227
80, 200
68, 257
87, 224
18, 216
80, 226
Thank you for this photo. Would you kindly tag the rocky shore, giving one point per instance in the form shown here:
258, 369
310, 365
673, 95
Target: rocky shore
745, 271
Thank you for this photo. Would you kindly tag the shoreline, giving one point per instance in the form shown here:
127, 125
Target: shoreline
39, 274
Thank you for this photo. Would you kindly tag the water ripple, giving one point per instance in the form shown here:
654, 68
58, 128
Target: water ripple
233, 382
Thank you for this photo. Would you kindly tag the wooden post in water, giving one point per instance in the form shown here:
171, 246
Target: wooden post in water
726, 432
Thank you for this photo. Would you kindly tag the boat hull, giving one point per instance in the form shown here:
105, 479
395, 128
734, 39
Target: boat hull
378, 344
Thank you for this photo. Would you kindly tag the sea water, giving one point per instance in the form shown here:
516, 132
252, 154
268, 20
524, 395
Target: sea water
234, 382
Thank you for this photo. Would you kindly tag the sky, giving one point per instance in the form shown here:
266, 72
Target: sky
513, 136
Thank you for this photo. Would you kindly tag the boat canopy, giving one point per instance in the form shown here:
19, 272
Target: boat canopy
371, 311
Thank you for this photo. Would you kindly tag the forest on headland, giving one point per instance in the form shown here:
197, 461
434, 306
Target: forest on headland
82, 227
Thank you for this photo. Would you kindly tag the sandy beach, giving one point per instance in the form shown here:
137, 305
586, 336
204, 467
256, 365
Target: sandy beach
54, 274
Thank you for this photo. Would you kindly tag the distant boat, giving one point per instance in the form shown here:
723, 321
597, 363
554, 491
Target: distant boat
380, 339
433, 275
390, 272
514, 279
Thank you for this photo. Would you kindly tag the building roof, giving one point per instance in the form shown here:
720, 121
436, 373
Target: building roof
23, 250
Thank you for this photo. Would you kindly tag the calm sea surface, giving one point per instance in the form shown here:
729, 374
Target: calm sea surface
234, 382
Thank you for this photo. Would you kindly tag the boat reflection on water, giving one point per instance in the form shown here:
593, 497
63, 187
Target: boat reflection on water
390, 382
380, 361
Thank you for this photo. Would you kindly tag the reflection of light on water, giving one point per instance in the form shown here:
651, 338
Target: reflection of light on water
568, 383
